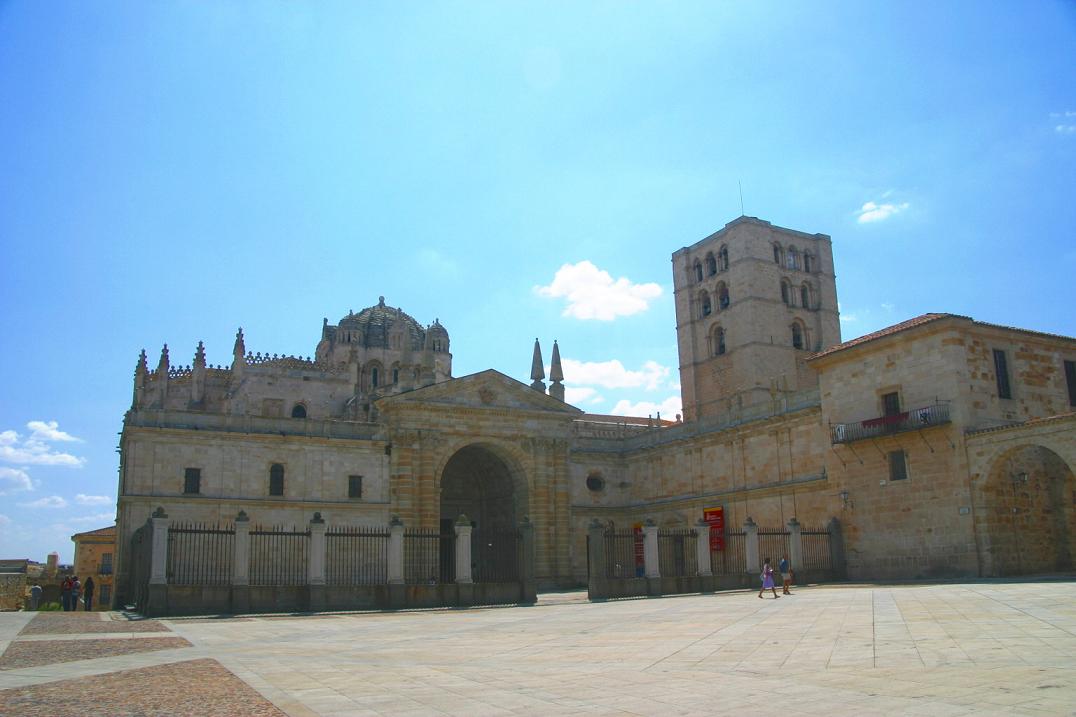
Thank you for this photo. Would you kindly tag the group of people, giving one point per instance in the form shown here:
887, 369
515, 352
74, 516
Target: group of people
72, 590
785, 568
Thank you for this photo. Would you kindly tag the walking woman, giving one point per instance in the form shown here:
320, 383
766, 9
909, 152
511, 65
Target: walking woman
767, 580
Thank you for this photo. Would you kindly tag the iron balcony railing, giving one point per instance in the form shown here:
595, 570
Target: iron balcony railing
912, 420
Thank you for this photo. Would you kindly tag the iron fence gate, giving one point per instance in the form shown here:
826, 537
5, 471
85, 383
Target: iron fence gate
732, 560
772, 544
140, 561
200, 554
495, 555
623, 553
425, 556
815, 551
279, 556
677, 555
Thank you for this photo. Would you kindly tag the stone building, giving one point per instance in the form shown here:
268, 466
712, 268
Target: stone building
95, 551
943, 445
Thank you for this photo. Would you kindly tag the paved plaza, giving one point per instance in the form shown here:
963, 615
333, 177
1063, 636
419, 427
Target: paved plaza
977, 648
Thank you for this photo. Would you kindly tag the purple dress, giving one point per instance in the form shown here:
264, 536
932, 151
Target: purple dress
767, 577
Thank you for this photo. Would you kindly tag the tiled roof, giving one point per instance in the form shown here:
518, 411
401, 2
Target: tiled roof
888, 331
110, 530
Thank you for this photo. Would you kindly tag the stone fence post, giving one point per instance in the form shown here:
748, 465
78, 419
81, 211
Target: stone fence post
795, 547
241, 565
463, 550
597, 586
527, 581
396, 551
651, 562
315, 578
702, 548
157, 602
752, 564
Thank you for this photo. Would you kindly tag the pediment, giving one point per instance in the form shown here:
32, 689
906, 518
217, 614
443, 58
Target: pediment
485, 389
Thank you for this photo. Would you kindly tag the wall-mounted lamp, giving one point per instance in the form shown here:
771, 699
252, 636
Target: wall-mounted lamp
843, 495
1019, 477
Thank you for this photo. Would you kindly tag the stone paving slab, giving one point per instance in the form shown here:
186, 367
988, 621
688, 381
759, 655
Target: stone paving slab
33, 653
982, 648
70, 623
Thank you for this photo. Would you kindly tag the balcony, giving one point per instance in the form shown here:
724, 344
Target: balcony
913, 420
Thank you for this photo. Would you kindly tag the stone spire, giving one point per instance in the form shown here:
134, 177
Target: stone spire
427, 377
198, 376
556, 375
162, 378
537, 369
199, 356
163, 365
141, 369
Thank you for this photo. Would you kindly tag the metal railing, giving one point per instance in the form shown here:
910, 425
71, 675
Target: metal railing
356, 556
913, 420
623, 553
677, 556
278, 556
495, 555
200, 554
429, 556
732, 559
772, 544
815, 550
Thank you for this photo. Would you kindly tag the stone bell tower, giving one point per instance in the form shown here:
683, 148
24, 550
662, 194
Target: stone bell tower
753, 301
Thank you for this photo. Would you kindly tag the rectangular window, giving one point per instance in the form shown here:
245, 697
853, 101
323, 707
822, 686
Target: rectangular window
276, 479
106, 563
1070, 379
192, 480
891, 404
898, 469
1001, 369
106, 594
354, 486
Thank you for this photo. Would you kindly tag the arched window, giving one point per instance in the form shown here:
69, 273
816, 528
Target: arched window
276, 479
805, 296
776, 253
723, 296
793, 258
395, 376
786, 292
808, 262
797, 336
698, 270
711, 265
723, 259
719, 341
298, 411
374, 377
705, 307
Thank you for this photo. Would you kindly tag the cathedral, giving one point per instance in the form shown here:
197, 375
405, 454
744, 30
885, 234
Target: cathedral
943, 445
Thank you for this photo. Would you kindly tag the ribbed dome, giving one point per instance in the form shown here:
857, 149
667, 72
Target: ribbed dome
376, 322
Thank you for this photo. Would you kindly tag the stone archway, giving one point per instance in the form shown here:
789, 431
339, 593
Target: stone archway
1028, 515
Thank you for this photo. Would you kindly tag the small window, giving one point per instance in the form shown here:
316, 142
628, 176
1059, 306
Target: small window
276, 479
797, 336
707, 308
374, 377
106, 564
1001, 369
1070, 379
711, 264
891, 404
793, 258
723, 297
719, 336
776, 254
808, 262
106, 595
698, 271
595, 482
395, 376
723, 259
192, 480
785, 294
354, 486
805, 297
898, 467
298, 411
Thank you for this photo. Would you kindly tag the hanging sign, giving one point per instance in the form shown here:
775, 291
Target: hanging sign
715, 518
640, 559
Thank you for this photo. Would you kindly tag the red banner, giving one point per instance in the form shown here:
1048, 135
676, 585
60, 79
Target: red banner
640, 555
715, 517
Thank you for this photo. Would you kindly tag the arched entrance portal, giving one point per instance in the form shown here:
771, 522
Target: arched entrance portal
478, 483
1029, 513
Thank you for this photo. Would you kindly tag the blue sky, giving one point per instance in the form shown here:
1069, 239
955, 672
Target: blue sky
171, 171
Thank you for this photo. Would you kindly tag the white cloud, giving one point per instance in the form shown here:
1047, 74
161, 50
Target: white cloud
888, 307
13, 480
4, 521
576, 395
612, 374
667, 408
592, 294
49, 431
104, 518
1068, 125
436, 262
49, 501
873, 212
83, 499
35, 450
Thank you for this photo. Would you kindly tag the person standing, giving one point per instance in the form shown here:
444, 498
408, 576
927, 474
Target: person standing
786, 575
65, 594
87, 591
767, 580
76, 591
35, 596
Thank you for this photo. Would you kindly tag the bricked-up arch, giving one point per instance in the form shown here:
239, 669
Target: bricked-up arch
485, 484
1026, 513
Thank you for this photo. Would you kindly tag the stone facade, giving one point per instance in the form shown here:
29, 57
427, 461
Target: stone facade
907, 436
95, 553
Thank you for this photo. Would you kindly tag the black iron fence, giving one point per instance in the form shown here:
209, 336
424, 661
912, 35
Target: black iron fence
623, 553
732, 558
140, 560
677, 554
279, 556
913, 420
200, 554
356, 556
772, 544
815, 552
425, 550
495, 555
